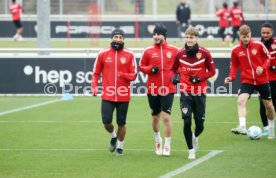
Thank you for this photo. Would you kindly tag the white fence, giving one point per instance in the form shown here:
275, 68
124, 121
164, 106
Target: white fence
82, 52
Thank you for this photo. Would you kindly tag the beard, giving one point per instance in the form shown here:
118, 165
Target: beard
117, 46
158, 41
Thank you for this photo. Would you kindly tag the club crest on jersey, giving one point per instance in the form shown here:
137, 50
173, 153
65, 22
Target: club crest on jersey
254, 51
273, 46
123, 60
169, 55
184, 110
198, 55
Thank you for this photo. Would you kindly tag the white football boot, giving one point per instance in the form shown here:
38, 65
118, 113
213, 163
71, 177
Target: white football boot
192, 154
158, 147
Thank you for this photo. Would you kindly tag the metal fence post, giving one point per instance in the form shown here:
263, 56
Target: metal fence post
43, 24
154, 9
60, 7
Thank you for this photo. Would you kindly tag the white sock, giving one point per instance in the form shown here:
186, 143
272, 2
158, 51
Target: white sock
242, 121
113, 134
271, 123
168, 141
157, 136
120, 144
266, 128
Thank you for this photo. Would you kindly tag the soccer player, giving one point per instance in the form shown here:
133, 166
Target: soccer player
253, 59
118, 68
236, 15
156, 62
183, 17
270, 44
15, 10
196, 66
223, 15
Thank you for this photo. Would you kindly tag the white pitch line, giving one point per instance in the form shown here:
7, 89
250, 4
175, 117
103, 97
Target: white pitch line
28, 107
191, 164
86, 149
92, 122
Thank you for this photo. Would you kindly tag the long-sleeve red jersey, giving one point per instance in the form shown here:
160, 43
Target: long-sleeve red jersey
118, 69
160, 56
15, 10
272, 52
237, 17
201, 65
223, 15
248, 59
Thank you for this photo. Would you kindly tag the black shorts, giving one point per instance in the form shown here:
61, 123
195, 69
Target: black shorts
190, 103
108, 109
273, 92
17, 23
160, 103
263, 90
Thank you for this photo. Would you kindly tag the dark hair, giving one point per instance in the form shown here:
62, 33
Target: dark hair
267, 25
235, 3
117, 31
160, 29
225, 5
13, 1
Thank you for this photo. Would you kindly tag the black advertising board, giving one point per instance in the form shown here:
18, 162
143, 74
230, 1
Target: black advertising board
84, 29
45, 75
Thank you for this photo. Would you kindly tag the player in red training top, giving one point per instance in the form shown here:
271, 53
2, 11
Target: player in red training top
270, 43
236, 15
196, 66
156, 62
253, 59
15, 10
118, 68
223, 15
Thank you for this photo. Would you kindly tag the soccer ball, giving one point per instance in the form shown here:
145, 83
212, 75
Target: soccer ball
210, 37
254, 132
228, 38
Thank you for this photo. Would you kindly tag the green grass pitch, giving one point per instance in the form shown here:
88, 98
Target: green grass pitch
67, 139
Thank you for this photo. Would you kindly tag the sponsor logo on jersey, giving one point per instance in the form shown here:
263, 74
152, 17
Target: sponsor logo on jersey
107, 60
191, 69
273, 46
241, 53
154, 55
254, 51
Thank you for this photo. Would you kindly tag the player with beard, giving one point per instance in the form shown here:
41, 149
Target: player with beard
252, 58
156, 62
118, 68
270, 44
196, 66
